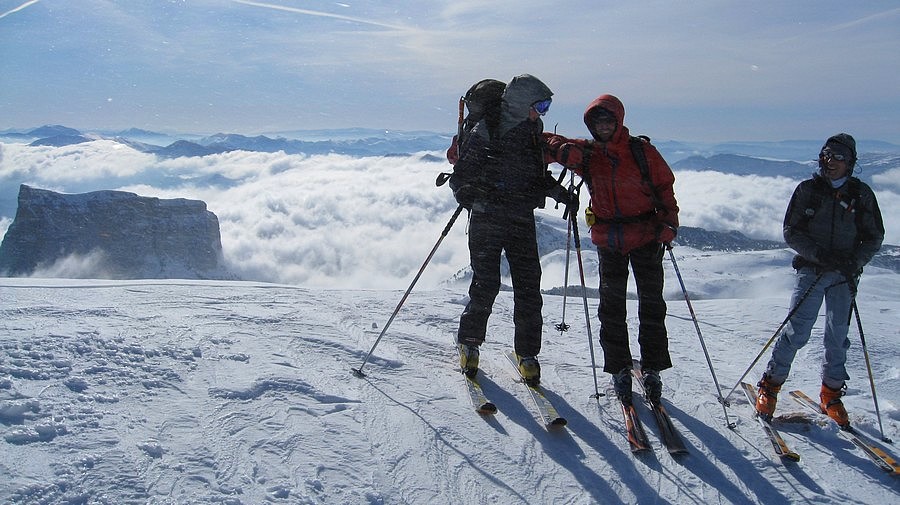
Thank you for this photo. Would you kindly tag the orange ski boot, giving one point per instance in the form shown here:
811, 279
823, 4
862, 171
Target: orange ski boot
767, 397
832, 405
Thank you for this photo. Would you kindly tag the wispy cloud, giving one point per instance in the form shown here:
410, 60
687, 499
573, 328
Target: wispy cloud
880, 16
257, 65
323, 15
17, 9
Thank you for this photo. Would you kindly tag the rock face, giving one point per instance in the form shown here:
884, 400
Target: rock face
112, 234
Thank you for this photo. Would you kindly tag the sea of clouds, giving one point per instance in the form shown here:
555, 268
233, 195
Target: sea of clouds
337, 221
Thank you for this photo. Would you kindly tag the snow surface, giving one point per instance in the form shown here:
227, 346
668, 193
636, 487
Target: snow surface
242, 393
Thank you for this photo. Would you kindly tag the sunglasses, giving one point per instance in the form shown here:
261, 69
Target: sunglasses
542, 106
831, 155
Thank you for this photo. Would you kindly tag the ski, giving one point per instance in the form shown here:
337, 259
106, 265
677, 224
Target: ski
778, 443
872, 451
476, 394
669, 434
637, 437
479, 400
545, 408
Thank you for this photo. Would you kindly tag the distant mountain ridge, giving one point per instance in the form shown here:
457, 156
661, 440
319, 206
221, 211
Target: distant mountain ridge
743, 165
731, 157
353, 142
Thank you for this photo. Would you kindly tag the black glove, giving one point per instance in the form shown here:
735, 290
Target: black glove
467, 194
567, 197
570, 199
846, 265
849, 268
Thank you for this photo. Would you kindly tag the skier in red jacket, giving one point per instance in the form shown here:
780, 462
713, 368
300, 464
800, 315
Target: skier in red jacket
633, 217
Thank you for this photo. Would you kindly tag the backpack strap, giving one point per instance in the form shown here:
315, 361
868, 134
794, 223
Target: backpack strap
852, 201
586, 164
637, 151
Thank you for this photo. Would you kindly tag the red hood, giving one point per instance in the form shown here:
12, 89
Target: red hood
612, 104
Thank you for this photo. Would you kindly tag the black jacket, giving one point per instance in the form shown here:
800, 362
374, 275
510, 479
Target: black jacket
823, 223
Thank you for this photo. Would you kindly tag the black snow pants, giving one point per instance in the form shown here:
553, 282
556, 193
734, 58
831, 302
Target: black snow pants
646, 263
492, 232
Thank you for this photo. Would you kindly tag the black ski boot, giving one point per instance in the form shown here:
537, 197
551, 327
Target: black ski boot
622, 386
652, 386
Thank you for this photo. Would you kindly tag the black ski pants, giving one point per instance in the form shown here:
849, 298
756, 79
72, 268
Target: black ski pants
492, 232
646, 263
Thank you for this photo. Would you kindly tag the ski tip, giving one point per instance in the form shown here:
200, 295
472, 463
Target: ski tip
558, 422
487, 409
791, 456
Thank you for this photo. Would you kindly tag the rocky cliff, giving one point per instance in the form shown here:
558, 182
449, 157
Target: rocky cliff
112, 234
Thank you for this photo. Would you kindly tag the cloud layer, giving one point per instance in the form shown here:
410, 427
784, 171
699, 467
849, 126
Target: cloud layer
337, 221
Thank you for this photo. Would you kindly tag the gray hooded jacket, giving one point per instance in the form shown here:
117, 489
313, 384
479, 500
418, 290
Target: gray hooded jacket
520, 94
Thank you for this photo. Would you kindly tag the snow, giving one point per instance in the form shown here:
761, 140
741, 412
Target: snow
242, 393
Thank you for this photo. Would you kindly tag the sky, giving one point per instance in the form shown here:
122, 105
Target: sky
704, 71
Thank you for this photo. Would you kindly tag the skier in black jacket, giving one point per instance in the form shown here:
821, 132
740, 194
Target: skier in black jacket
512, 180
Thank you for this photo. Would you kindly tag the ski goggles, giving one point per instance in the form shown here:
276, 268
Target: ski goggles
542, 106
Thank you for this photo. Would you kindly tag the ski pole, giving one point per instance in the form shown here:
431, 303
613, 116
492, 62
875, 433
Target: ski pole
562, 326
358, 371
862, 338
573, 219
780, 327
712, 370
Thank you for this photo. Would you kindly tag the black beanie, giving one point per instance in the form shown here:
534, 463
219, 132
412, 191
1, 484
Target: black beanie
843, 139
843, 142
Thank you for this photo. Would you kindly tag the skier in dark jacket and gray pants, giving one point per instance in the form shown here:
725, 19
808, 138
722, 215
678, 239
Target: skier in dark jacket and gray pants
834, 224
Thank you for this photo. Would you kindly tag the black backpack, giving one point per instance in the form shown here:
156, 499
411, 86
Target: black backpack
482, 101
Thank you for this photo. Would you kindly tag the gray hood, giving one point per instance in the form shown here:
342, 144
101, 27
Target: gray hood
521, 92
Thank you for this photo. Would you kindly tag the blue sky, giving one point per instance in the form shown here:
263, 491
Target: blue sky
699, 71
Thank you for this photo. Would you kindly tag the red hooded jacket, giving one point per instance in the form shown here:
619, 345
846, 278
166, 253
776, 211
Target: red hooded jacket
621, 200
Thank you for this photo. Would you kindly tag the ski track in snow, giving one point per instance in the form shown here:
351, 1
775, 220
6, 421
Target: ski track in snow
217, 392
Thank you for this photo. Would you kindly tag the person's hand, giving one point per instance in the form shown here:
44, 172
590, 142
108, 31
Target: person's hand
567, 197
848, 267
453, 151
467, 194
570, 155
570, 199
667, 234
